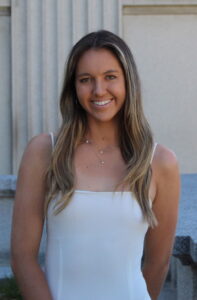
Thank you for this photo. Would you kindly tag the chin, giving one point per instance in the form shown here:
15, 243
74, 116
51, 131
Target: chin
105, 119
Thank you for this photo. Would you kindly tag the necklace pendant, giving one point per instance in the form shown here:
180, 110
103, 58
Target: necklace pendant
102, 163
101, 151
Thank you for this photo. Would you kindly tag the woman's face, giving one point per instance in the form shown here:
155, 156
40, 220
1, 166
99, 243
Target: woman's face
100, 84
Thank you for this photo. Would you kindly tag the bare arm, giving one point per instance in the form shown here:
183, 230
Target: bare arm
159, 240
28, 220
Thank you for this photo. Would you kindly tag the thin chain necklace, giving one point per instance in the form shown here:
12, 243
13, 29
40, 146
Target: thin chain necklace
98, 153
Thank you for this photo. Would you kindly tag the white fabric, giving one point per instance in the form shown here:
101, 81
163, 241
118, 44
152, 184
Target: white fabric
94, 248
52, 140
153, 152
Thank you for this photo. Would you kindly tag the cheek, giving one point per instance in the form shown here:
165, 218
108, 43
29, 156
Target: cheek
81, 92
124, 92
77, 89
120, 91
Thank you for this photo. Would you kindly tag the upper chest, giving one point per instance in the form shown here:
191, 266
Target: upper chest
100, 169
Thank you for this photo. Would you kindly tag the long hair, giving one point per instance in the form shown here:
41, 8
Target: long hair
136, 138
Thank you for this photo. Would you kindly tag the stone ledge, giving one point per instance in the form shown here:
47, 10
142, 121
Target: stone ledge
185, 246
7, 186
186, 250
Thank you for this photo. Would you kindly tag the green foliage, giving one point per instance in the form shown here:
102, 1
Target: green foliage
9, 289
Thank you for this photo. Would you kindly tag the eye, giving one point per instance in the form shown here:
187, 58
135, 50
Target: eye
84, 80
111, 77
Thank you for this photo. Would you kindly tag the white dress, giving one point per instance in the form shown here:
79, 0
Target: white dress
94, 248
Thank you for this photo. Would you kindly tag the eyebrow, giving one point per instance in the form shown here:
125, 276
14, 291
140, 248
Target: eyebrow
106, 72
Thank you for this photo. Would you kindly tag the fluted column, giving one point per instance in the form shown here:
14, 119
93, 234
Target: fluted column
110, 15
42, 34
94, 20
5, 88
34, 67
64, 36
49, 65
19, 79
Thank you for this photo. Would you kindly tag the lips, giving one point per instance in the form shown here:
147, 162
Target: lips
102, 103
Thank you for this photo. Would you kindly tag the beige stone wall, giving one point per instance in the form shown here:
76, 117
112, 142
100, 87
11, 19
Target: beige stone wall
162, 35
164, 43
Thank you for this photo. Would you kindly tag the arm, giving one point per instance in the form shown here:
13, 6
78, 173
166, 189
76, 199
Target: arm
28, 220
159, 240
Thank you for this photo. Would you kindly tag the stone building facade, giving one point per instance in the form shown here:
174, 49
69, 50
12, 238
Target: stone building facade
36, 36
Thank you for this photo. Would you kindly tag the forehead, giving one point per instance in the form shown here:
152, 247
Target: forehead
97, 61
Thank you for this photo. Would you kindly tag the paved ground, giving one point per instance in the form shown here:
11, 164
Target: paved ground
4, 272
168, 293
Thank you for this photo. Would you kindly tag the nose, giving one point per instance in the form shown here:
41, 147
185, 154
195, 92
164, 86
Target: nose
99, 88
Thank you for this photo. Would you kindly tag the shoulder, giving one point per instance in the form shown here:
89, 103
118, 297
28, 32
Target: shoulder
165, 163
38, 151
165, 158
40, 143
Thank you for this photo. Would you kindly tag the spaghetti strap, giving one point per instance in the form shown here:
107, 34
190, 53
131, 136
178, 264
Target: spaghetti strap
52, 140
153, 152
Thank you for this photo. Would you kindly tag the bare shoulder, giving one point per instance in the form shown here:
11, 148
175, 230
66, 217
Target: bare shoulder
165, 160
40, 143
37, 152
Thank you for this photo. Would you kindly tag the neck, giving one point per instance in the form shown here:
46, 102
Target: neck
103, 133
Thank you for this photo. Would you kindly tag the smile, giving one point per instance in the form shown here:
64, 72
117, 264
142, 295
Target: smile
102, 103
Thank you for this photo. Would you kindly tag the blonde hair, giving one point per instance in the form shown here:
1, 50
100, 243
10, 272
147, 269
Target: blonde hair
136, 138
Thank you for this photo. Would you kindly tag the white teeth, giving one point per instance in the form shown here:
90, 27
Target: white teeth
102, 102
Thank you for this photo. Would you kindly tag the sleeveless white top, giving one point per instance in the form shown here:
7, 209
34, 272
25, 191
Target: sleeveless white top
94, 248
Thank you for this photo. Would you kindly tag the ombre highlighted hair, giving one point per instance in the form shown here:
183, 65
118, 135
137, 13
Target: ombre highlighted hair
136, 140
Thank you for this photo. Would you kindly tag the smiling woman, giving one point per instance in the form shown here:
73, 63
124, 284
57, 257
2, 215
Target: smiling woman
100, 85
108, 192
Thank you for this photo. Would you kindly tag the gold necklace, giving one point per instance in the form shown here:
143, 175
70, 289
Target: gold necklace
100, 151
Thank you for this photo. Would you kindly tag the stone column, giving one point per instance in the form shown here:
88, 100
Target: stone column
42, 35
5, 88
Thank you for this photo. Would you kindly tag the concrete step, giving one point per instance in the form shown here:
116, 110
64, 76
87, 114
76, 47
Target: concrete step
5, 271
168, 293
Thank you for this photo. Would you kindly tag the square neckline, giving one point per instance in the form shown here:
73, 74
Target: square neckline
51, 134
91, 191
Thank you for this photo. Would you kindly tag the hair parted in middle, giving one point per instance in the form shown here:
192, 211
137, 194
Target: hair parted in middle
136, 140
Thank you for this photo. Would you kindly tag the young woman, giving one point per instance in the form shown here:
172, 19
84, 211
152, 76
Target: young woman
109, 193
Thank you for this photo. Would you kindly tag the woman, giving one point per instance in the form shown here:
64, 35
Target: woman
109, 193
